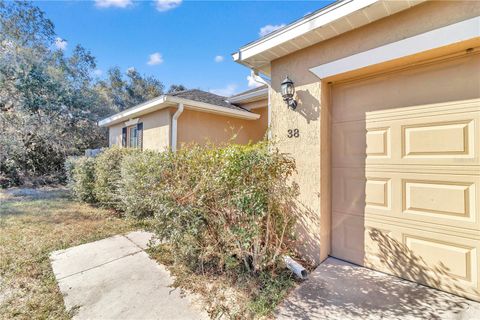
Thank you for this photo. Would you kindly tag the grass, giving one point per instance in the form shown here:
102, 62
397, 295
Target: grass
231, 295
32, 225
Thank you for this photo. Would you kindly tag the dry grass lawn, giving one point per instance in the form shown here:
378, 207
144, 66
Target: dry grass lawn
34, 223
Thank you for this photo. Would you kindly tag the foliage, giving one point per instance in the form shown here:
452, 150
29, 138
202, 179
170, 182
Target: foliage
81, 171
108, 178
223, 212
121, 93
49, 102
221, 208
176, 88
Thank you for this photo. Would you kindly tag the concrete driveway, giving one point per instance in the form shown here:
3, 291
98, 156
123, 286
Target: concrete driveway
340, 290
114, 278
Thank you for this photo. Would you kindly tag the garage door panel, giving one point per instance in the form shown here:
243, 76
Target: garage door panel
350, 146
439, 139
348, 191
348, 237
426, 135
439, 199
442, 261
446, 200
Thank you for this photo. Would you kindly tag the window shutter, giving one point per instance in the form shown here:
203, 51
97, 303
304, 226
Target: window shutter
124, 137
140, 135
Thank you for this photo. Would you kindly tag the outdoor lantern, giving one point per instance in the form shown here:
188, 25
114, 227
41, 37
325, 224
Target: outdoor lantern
288, 90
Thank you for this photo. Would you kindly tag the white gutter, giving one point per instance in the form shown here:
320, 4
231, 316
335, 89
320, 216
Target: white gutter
211, 108
319, 19
249, 96
257, 78
132, 112
175, 117
166, 101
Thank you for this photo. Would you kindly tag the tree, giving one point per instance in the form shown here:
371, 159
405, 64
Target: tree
48, 108
176, 88
49, 103
120, 92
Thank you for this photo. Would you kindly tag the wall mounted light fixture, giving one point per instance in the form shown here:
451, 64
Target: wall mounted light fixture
288, 90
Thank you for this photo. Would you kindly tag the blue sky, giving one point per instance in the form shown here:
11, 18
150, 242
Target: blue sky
187, 42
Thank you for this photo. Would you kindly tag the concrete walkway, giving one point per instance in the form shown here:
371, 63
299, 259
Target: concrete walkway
115, 279
340, 290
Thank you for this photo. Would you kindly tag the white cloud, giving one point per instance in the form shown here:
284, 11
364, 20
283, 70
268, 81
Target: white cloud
113, 3
165, 5
155, 58
269, 28
97, 72
228, 91
252, 83
60, 43
219, 58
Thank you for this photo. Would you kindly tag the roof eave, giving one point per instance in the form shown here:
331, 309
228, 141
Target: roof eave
171, 101
322, 25
250, 97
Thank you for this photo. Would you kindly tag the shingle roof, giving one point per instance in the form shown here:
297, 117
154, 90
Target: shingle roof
207, 97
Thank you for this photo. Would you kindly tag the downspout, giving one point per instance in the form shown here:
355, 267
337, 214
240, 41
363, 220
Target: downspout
257, 78
175, 117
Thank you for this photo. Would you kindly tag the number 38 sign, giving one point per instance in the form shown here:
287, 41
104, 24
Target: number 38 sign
293, 133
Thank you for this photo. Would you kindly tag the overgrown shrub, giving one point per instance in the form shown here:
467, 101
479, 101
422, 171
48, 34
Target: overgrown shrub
225, 212
221, 208
108, 178
81, 178
144, 186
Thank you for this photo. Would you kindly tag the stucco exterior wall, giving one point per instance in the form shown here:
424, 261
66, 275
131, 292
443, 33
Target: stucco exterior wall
201, 127
156, 131
194, 127
311, 117
115, 135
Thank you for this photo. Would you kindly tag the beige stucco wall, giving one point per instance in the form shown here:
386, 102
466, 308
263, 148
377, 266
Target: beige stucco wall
115, 135
202, 127
312, 115
156, 131
194, 127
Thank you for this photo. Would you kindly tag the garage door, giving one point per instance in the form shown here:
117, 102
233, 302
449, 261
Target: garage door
406, 174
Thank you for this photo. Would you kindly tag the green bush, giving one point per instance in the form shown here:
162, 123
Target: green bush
143, 186
81, 178
221, 208
108, 178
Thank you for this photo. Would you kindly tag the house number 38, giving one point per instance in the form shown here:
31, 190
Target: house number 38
293, 133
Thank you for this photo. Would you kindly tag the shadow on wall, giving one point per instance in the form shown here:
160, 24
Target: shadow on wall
396, 258
308, 105
307, 242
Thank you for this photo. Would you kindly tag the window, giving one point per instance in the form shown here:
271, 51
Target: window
133, 136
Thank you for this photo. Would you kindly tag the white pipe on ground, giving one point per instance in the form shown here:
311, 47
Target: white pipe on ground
175, 117
295, 267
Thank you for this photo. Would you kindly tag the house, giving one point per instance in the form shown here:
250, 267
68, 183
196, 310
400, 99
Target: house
191, 116
384, 124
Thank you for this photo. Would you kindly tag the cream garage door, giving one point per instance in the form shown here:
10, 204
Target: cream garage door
406, 175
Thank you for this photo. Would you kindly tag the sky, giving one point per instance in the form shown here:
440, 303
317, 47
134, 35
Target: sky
178, 42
